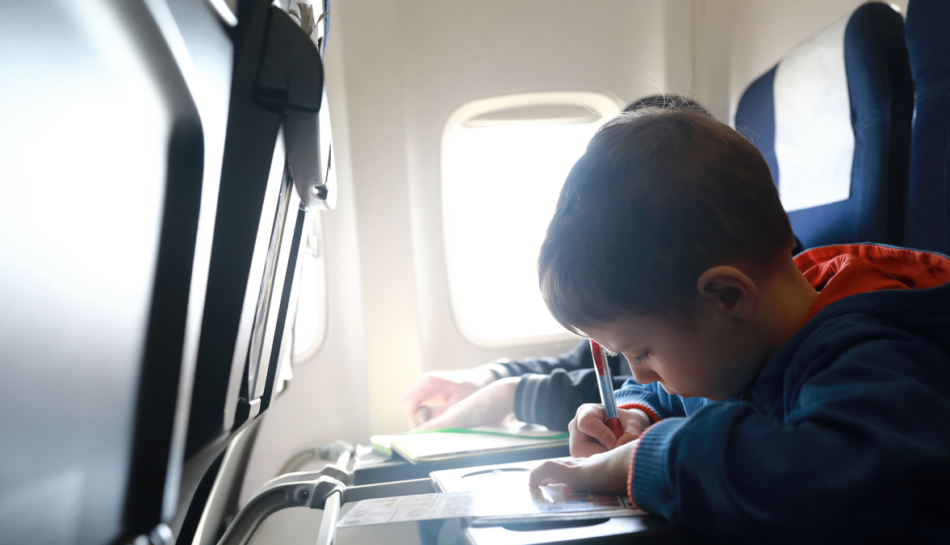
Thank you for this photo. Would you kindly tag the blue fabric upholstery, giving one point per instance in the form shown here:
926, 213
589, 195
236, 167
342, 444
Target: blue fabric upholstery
755, 118
881, 97
928, 43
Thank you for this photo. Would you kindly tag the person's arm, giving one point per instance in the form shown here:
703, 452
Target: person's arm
863, 446
649, 398
552, 400
589, 433
454, 387
450, 387
578, 358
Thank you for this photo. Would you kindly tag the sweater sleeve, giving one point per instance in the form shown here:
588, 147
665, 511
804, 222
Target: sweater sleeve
862, 446
552, 400
661, 405
578, 358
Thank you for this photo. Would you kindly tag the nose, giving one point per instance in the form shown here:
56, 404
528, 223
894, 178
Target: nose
643, 375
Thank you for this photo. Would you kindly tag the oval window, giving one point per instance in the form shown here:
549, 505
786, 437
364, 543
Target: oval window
504, 161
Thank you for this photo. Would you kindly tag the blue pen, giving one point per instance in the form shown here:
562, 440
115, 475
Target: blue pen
606, 383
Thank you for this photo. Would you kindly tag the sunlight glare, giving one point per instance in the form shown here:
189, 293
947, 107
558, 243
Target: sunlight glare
501, 188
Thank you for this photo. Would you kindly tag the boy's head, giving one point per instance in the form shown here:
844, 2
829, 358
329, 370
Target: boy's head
659, 199
665, 102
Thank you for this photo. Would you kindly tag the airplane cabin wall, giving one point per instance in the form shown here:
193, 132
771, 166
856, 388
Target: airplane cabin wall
457, 52
409, 65
396, 69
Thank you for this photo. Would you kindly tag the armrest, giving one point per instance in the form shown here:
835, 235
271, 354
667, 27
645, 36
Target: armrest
316, 490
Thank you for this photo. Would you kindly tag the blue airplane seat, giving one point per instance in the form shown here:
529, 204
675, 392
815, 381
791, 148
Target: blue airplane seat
928, 43
832, 119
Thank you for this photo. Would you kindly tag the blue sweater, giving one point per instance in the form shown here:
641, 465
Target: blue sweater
843, 437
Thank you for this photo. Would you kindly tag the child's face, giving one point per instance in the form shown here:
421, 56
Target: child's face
714, 359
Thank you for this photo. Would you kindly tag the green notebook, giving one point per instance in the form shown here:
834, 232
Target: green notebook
451, 443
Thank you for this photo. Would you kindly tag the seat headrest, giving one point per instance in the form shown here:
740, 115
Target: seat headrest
814, 141
832, 120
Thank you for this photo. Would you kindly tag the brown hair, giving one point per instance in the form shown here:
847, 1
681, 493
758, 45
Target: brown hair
666, 102
658, 197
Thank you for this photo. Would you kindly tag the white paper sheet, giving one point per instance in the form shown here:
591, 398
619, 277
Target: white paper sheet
546, 501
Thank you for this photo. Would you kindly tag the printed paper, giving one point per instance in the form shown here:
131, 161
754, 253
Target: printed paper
529, 502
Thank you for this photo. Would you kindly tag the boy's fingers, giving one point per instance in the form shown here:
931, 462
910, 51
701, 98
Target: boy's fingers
627, 438
589, 410
634, 421
595, 428
582, 445
549, 472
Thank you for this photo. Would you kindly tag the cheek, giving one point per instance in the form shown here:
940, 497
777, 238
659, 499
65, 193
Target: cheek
708, 373
685, 370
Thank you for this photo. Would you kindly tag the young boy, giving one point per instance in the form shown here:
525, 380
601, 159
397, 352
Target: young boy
546, 391
775, 399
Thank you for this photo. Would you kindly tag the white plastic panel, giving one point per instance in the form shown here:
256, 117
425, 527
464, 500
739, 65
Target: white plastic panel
310, 325
814, 140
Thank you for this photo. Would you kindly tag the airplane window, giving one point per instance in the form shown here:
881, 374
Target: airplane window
502, 174
311, 323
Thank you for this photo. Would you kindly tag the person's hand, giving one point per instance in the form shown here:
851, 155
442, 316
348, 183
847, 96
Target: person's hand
604, 473
489, 406
450, 386
589, 434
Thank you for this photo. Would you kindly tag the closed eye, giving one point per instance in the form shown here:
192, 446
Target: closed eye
638, 360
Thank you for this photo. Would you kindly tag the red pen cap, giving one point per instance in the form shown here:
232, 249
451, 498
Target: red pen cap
614, 425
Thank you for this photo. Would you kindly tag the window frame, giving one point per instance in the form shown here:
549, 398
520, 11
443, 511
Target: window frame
605, 106
316, 230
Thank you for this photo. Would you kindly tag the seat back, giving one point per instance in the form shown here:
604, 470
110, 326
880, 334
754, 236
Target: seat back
832, 119
152, 203
928, 43
274, 171
101, 171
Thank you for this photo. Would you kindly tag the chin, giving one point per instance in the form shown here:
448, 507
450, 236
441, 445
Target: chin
717, 397
673, 392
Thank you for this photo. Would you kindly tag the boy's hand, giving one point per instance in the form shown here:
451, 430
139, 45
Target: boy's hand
450, 386
489, 406
604, 473
589, 434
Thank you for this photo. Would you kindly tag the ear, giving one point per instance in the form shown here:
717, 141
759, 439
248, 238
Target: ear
729, 290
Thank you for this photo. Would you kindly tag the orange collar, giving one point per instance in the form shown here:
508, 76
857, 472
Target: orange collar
840, 271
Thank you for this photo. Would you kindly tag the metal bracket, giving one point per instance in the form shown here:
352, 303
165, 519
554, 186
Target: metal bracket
324, 489
290, 82
280, 493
